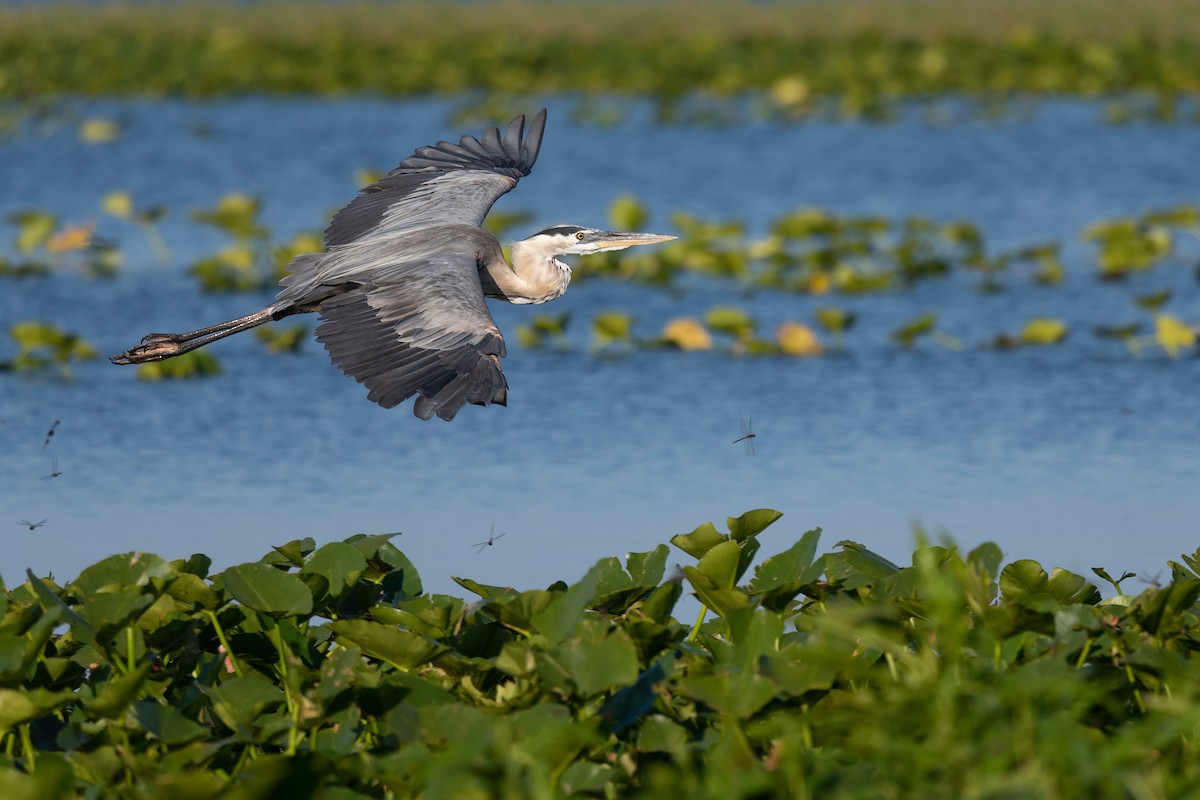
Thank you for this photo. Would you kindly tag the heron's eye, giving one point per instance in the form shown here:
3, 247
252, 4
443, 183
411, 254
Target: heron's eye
581, 236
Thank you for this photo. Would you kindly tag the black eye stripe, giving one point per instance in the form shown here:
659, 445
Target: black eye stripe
561, 230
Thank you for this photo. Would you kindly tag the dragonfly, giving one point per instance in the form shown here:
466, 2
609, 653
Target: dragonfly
54, 471
33, 526
747, 436
50, 433
491, 540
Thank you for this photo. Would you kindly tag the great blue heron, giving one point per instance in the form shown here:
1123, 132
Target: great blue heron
400, 288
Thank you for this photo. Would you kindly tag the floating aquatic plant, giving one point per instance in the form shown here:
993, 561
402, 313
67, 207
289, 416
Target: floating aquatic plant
196, 364
41, 346
545, 330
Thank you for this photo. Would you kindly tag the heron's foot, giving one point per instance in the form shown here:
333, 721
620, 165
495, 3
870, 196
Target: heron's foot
154, 347
162, 337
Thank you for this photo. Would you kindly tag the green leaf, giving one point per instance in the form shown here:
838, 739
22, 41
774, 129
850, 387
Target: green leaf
724, 601
267, 589
755, 633
340, 564
907, 334
482, 589
1162, 610
1117, 331
96, 130
401, 648
518, 610
1172, 334
627, 213
127, 570
12, 656
612, 326
118, 204
597, 662
857, 566
282, 340
557, 620
587, 778
740, 695
1153, 302
789, 567
20, 706
1023, 578
986, 558
386, 564
613, 579
114, 696
1116, 582
699, 541
658, 734
1043, 331
191, 590
661, 602
431, 616
109, 612
291, 553
52, 777
165, 723
196, 564
646, 569
732, 321
835, 320
81, 629
240, 701
236, 214
1069, 589
720, 564
34, 229
196, 364
752, 523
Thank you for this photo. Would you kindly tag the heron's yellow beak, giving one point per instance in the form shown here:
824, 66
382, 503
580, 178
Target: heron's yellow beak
616, 241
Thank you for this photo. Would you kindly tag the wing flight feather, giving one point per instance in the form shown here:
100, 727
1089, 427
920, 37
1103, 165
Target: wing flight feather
419, 328
461, 181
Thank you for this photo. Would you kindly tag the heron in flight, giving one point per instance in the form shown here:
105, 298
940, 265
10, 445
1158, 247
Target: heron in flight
400, 287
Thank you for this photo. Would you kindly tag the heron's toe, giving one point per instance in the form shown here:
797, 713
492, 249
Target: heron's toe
150, 351
160, 337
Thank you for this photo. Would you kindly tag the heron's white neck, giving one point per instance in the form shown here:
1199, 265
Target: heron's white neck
535, 276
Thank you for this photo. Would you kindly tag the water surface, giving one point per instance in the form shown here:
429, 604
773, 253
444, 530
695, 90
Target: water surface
1077, 456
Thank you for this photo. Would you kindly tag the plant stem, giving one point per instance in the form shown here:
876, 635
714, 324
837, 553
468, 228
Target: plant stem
130, 660
292, 702
237, 668
27, 748
699, 621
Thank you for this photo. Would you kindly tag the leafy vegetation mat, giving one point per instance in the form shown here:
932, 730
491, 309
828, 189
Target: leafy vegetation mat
866, 54
327, 672
807, 250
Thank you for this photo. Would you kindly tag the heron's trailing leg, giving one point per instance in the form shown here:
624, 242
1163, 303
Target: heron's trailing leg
157, 346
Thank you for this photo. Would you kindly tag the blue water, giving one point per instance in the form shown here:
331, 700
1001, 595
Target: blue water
1078, 455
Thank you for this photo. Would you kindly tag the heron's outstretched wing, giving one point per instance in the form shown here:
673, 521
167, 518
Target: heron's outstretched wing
422, 328
445, 183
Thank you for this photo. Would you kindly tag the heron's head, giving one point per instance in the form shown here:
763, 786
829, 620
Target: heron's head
574, 240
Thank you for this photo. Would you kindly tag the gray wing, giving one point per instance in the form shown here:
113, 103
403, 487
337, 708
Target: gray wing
423, 328
445, 183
